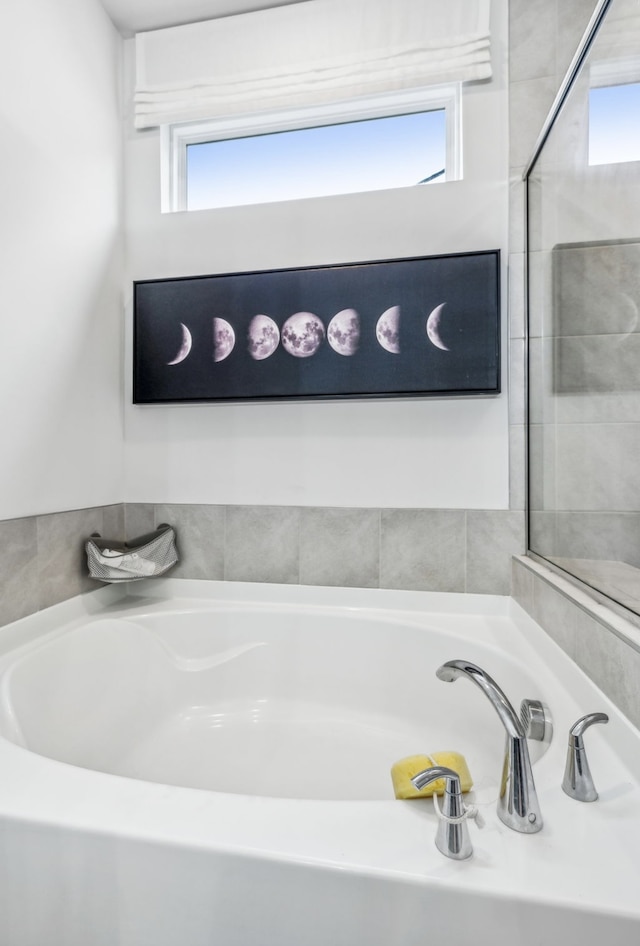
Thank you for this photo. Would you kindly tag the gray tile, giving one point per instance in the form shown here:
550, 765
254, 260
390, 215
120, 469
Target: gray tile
113, 524
597, 364
532, 40
529, 103
543, 528
556, 614
540, 294
517, 467
612, 664
340, 546
62, 565
565, 152
611, 536
423, 549
603, 407
517, 191
616, 579
522, 585
543, 401
200, 531
597, 289
597, 467
494, 536
139, 519
542, 466
18, 568
536, 197
516, 381
262, 544
516, 296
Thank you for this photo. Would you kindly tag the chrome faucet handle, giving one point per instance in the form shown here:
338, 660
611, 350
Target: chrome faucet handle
452, 835
578, 781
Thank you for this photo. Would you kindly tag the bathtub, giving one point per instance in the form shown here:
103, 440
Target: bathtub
199, 762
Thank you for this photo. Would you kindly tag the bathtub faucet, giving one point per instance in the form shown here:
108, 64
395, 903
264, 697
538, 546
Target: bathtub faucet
517, 802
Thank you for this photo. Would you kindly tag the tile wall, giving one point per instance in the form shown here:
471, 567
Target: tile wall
585, 436
42, 559
602, 643
543, 37
420, 549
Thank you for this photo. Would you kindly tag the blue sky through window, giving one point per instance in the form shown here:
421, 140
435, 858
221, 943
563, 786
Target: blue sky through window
614, 123
374, 154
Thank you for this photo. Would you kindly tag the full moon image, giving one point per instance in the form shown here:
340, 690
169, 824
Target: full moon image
343, 333
302, 334
388, 329
224, 338
433, 327
263, 337
185, 347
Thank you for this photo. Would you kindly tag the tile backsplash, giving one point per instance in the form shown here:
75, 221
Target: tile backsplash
42, 557
604, 644
461, 550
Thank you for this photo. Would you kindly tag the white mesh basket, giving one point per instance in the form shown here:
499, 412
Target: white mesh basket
147, 556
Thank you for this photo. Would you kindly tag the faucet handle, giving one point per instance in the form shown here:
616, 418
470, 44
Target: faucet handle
578, 781
452, 836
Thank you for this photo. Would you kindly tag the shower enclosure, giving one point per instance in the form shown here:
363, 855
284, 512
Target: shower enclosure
583, 256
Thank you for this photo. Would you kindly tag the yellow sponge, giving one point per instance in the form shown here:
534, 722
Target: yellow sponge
403, 771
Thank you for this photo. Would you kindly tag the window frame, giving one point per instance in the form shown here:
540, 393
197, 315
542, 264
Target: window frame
175, 138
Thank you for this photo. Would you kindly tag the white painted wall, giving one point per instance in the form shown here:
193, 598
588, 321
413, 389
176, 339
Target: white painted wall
433, 453
61, 259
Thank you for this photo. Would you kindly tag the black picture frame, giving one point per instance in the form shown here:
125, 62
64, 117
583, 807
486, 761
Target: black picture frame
413, 327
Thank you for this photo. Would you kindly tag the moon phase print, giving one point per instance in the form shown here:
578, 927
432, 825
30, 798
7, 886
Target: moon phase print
420, 327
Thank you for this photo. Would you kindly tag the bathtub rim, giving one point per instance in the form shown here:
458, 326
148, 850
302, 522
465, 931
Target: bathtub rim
381, 837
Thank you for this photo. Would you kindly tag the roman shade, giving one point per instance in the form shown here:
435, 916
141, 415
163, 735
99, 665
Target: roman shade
316, 52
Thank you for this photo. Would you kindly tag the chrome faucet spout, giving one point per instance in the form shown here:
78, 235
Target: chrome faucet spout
518, 806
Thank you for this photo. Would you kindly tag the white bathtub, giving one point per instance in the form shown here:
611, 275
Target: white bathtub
209, 762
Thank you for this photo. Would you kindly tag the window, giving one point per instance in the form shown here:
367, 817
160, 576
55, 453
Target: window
395, 141
614, 112
614, 124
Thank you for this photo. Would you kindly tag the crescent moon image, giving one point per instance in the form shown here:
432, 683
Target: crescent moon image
433, 327
185, 347
302, 334
224, 339
388, 329
343, 333
263, 337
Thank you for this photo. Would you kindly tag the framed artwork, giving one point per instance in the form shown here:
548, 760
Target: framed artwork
425, 326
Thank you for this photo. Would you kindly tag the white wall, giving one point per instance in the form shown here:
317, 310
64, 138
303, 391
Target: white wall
433, 453
60, 266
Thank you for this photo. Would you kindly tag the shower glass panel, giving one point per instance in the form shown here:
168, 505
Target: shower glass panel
583, 220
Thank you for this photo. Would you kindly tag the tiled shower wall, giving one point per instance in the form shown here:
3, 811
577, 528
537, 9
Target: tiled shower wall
543, 37
602, 643
459, 550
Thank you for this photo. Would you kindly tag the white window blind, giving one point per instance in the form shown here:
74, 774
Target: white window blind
306, 54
